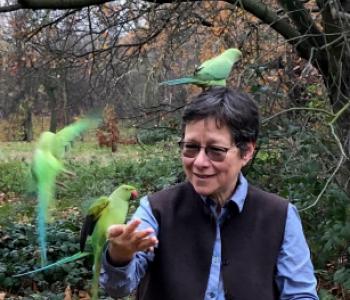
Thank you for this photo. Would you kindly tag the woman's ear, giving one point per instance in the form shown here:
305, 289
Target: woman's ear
248, 155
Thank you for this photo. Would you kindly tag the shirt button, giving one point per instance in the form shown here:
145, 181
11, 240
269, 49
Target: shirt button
225, 262
228, 296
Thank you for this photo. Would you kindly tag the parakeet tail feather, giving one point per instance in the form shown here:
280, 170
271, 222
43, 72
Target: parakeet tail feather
96, 273
57, 263
42, 219
183, 80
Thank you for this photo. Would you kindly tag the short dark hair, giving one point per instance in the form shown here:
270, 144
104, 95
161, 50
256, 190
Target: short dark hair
229, 107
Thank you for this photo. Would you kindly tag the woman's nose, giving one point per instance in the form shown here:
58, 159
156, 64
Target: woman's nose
202, 159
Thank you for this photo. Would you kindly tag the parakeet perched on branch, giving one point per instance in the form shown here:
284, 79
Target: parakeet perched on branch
48, 164
102, 213
212, 72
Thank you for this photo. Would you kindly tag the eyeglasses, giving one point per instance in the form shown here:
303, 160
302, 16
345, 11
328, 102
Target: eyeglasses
214, 153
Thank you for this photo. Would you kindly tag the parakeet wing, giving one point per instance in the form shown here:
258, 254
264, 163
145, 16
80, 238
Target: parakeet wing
94, 212
218, 67
68, 134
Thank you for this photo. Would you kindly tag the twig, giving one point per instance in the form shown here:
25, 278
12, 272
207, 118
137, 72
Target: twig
338, 142
325, 186
339, 113
298, 108
342, 157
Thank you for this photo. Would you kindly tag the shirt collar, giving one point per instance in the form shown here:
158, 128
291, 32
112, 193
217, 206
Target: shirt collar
239, 195
240, 192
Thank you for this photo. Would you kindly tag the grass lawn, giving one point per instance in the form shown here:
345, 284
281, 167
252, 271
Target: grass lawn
86, 159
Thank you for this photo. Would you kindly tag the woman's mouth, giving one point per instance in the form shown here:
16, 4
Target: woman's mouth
203, 176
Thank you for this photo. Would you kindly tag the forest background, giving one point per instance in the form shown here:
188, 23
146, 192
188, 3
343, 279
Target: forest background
60, 59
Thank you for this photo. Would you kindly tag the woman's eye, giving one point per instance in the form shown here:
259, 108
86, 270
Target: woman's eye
216, 149
192, 146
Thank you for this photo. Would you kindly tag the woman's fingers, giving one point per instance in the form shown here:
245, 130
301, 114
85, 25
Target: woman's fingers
130, 228
126, 240
128, 237
115, 231
139, 235
147, 244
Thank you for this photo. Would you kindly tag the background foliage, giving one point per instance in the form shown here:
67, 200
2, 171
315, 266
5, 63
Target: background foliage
276, 167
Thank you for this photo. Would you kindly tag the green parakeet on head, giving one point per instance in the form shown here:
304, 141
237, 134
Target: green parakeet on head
47, 165
102, 213
212, 72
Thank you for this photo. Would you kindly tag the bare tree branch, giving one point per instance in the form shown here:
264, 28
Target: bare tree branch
59, 4
302, 20
59, 19
9, 8
278, 23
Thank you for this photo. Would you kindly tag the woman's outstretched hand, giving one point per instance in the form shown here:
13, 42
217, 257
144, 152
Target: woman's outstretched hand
125, 240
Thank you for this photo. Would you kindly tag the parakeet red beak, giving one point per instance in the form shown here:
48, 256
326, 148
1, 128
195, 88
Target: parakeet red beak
134, 195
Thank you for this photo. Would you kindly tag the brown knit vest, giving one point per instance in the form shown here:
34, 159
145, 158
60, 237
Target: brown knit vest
251, 241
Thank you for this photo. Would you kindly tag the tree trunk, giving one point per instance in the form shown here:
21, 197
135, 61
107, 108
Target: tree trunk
28, 121
53, 109
334, 64
66, 116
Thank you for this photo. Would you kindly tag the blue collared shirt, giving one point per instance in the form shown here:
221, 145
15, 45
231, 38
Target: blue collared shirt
294, 276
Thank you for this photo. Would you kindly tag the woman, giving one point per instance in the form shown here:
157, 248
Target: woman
214, 236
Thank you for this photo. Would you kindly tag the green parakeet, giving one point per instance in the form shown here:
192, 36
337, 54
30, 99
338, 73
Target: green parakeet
212, 72
102, 213
47, 165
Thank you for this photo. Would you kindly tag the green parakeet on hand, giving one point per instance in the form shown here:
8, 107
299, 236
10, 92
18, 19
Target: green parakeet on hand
212, 72
47, 165
102, 213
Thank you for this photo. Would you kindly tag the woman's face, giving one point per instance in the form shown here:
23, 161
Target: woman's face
208, 177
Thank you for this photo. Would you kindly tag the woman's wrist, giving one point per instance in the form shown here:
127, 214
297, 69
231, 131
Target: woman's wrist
117, 261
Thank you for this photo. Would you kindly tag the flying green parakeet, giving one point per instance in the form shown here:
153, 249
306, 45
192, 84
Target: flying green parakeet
47, 165
102, 213
212, 72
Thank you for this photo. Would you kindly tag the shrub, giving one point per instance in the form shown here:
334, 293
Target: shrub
14, 177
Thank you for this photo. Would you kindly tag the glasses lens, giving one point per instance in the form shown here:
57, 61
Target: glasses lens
189, 150
216, 154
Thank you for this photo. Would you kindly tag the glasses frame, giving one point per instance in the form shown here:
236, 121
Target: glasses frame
207, 150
